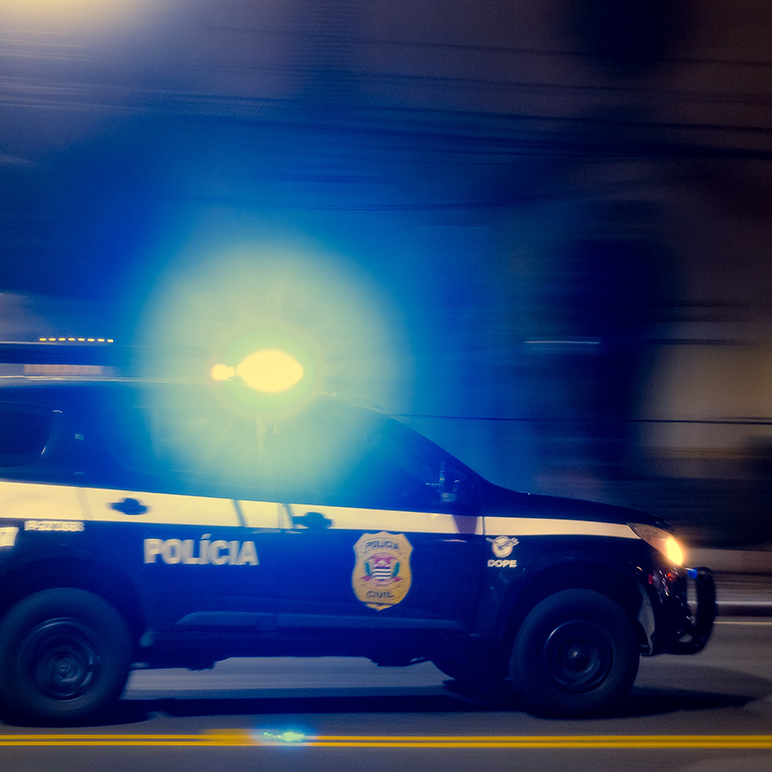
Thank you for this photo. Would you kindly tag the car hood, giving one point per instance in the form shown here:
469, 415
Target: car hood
502, 502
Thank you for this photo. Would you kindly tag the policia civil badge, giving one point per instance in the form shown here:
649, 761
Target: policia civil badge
382, 575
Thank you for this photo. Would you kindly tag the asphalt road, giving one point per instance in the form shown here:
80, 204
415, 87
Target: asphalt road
715, 710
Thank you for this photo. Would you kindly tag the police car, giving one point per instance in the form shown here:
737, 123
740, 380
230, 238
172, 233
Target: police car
157, 525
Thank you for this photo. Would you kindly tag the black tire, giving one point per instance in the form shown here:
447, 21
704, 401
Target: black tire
64, 656
576, 653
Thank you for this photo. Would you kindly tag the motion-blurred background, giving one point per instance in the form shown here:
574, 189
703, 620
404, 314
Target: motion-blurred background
539, 232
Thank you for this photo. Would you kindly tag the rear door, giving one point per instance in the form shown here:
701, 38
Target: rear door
175, 521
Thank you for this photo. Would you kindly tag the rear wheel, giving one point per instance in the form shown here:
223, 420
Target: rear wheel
64, 655
575, 653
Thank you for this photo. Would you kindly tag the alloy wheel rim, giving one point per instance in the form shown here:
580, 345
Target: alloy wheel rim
60, 658
578, 655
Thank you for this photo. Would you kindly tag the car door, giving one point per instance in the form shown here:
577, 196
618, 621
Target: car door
177, 527
365, 538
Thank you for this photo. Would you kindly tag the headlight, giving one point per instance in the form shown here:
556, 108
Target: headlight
662, 541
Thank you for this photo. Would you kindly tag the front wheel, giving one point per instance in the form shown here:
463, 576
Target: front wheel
575, 653
64, 655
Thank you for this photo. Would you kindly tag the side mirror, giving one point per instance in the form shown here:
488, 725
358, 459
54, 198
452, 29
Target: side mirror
453, 486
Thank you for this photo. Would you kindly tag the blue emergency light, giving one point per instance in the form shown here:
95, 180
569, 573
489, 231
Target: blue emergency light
267, 370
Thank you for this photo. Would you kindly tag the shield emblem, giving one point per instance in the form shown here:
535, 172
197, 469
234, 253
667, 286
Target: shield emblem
382, 574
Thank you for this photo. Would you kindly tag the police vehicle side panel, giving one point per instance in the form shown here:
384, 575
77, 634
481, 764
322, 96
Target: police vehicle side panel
198, 559
549, 564
556, 544
370, 558
42, 530
54, 556
376, 569
197, 567
297, 586
45, 538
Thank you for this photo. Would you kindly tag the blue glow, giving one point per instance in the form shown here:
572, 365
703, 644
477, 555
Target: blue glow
320, 308
286, 736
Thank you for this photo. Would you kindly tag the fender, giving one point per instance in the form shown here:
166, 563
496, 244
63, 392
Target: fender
546, 565
40, 569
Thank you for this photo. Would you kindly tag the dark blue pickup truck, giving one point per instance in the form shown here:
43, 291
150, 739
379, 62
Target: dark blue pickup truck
158, 525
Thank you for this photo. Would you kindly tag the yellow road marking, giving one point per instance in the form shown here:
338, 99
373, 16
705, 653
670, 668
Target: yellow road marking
4, 737
245, 738
555, 741
211, 737
530, 738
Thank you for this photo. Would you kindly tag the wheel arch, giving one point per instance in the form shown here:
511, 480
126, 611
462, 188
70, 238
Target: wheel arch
100, 579
614, 582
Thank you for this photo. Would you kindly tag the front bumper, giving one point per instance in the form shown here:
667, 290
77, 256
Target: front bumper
702, 617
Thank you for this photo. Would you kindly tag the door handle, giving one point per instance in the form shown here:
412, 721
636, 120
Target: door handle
129, 507
312, 521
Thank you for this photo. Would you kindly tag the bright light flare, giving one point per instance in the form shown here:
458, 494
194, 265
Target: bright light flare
270, 371
321, 310
673, 551
661, 540
223, 372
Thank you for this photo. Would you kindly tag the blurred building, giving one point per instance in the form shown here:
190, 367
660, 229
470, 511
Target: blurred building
566, 201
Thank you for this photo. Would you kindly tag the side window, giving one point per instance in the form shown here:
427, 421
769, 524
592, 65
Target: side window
349, 457
328, 454
409, 450
185, 450
315, 458
24, 432
440, 480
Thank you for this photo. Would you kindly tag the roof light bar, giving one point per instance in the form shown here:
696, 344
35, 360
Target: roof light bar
76, 340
